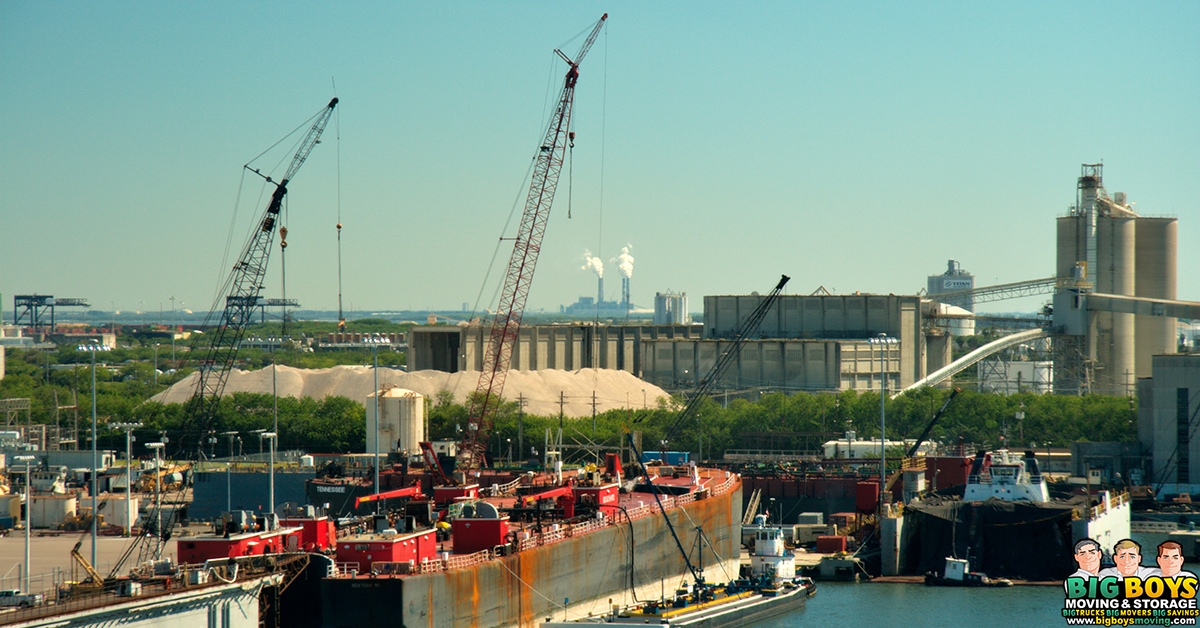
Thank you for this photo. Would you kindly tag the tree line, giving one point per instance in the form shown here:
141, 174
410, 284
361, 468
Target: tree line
338, 425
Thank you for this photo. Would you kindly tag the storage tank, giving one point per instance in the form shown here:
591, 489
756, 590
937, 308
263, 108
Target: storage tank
670, 308
401, 421
953, 280
1116, 250
49, 511
1156, 277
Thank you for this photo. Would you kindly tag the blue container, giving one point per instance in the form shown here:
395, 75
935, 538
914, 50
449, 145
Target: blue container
673, 457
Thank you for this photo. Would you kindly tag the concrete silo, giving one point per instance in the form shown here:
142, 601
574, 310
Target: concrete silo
1107, 248
401, 420
1155, 277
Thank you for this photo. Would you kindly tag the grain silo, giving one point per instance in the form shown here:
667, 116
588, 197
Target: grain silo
401, 421
1107, 248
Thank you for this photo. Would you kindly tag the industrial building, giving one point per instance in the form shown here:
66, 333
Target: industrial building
807, 342
671, 308
1168, 407
829, 342
563, 347
955, 279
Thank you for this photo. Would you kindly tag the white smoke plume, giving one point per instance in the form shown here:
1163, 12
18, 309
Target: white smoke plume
592, 263
624, 261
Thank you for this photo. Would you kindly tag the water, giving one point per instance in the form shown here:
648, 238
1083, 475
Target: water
868, 604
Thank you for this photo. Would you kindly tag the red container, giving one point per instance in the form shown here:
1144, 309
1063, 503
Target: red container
866, 496
831, 544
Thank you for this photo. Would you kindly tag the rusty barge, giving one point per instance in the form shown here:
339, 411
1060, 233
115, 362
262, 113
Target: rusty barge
561, 545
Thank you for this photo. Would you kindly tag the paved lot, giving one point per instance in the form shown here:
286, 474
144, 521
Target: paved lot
49, 553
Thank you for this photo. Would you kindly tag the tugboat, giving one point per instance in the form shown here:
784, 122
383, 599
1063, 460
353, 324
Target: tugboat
957, 573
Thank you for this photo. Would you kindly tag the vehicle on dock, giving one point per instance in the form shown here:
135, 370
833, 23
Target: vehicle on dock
14, 597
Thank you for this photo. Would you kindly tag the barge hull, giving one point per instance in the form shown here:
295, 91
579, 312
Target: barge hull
524, 588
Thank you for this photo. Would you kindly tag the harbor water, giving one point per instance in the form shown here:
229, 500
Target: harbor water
871, 604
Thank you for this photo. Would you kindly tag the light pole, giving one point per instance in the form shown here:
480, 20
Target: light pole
883, 341
128, 427
27, 459
173, 332
156, 363
157, 447
271, 481
228, 473
92, 347
260, 439
375, 340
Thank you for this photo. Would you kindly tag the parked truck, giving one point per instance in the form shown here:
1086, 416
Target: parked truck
14, 597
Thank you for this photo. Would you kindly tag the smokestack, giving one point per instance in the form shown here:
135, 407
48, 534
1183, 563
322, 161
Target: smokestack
599, 290
624, 263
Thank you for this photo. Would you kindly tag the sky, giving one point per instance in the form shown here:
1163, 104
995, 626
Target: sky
852, 146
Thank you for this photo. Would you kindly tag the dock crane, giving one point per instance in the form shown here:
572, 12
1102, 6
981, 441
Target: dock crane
227, 324
519, 276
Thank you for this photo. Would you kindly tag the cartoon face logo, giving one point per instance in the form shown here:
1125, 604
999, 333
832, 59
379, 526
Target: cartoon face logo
1170, 559
1087, 554
1128, 557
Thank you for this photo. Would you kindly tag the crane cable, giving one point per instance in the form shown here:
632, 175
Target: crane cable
338, 130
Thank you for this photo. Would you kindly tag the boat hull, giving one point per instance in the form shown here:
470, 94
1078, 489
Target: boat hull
738, 613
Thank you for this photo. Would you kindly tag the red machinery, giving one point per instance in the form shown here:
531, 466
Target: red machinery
411, 492
564, 497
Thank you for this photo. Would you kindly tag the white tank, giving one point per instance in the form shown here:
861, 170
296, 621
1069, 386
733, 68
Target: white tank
401, 421
957, 326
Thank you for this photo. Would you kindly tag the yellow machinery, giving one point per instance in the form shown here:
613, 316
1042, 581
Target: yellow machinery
80, 521
169, 478
93, 584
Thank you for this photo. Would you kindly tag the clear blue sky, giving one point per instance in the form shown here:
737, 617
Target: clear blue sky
855, 146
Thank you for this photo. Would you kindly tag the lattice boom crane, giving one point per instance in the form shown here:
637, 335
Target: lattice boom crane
517, 280
245, 284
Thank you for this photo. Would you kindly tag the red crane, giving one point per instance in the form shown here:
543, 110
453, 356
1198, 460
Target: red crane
528, 244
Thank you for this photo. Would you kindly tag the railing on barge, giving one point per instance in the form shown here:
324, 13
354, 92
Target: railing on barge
555, 533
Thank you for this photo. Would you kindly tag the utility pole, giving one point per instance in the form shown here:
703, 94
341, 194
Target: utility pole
562, 402
521, 424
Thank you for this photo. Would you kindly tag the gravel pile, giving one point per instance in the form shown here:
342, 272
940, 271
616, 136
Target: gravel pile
541, 389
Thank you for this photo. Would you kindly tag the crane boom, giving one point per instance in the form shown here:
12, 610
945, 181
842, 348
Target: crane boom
748, 327
219, 345
519, 276
245, 285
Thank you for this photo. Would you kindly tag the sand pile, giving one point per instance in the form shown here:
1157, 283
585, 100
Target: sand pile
541, 389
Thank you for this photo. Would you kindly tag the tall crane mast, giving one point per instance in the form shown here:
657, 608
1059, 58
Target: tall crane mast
517, 280
244, 286
242, 290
